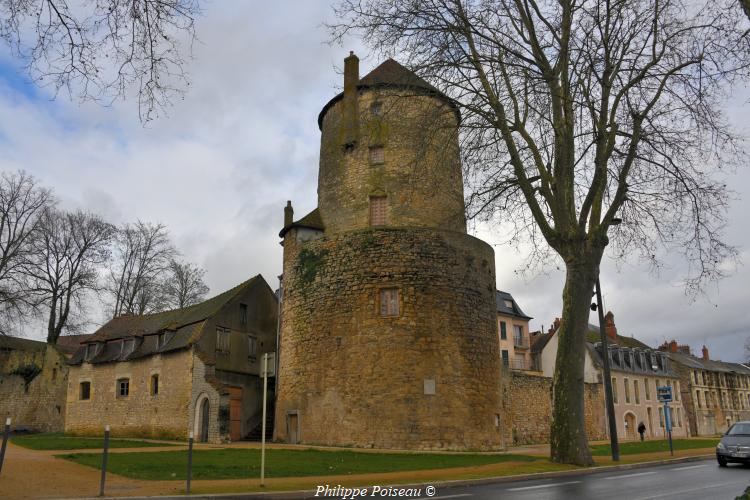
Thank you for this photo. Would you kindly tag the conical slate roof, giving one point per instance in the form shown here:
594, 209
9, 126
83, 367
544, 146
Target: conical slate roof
389, 74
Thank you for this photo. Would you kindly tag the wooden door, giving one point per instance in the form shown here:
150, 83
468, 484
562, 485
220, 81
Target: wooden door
235, 413
293, 426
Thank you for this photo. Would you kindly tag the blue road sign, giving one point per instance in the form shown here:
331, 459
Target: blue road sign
664, 394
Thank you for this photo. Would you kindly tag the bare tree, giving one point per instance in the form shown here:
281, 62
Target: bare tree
22, 202
66, 256
184, 286
577, 114
99, 50
141, 258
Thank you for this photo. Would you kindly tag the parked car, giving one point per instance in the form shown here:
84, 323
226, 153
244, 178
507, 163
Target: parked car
735, 445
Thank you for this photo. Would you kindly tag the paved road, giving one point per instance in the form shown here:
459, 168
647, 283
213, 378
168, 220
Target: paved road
686, 481
693, 480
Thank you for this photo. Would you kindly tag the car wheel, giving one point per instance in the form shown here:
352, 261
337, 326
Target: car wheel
722, 462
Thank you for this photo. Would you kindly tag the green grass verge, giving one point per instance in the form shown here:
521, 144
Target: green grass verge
62, 442
636, 447
245, 463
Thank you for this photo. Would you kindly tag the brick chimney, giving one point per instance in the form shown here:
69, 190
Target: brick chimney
288, 214
555, 326
609, 325
705, 353
673, 346
350, 120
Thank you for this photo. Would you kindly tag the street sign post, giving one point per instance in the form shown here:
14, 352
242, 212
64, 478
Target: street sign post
664, 394
268, 369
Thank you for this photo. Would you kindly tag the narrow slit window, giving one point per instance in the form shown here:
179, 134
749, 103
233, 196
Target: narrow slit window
389, 299
378, 210
85, 392
155, 385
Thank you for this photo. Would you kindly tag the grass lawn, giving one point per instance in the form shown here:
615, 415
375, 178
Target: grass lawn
635, 447
61, 442
245, 463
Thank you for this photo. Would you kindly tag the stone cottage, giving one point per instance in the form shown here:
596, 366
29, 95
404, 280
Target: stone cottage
165, 374
388, 319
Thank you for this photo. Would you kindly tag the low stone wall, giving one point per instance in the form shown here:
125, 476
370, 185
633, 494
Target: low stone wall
527, 403
32, 388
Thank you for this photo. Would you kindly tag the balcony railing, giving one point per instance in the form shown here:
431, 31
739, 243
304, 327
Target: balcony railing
524, 365
521, 341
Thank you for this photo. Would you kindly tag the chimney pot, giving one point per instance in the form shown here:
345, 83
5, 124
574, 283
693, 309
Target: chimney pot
609, 325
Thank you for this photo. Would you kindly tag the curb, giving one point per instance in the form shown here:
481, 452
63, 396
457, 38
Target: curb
445, 484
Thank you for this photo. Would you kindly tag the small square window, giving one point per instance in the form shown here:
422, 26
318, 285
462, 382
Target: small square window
378, 210
429, 386
123, 387
85, 391
376, 108
223, 340
377, 155
389, 302
155, 384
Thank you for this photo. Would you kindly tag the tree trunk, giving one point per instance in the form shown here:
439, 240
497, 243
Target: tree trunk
568, 440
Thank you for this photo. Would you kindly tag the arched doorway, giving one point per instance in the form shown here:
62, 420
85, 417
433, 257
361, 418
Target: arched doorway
630, 429
202, 418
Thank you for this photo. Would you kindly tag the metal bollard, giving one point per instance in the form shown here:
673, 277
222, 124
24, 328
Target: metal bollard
190, 461
104, 460
6, 435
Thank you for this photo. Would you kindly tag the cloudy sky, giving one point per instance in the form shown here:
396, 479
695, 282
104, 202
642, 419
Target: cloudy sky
219, 168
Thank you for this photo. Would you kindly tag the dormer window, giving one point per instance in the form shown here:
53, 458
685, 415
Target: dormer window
92, 350
509, 304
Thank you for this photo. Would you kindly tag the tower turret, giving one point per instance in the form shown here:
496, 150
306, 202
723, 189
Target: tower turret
389, 153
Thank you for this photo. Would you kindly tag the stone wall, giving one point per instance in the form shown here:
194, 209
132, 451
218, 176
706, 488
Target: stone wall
165, 415
527, 406
35, 402
355, 378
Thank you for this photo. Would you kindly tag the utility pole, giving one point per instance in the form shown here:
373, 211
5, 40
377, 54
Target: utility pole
614, 445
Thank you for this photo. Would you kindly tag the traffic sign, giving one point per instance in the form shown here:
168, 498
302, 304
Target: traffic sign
664, 394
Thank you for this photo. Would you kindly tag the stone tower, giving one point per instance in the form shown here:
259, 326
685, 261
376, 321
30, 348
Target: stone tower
388, 332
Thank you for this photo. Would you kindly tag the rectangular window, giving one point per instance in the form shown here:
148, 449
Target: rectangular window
647, 389
223, 340
85, 391
377, 155
503, 331
389, 302
698, 398
695, 375
123, 387
636, 392
627, 391
676, 385
154, 384
709, 403
614, 390
506, 359
252, 347
518, 336
378, 210
661, 417
243, 314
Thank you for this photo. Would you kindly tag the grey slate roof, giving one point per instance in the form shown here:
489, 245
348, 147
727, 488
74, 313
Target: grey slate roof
501, 297
695, 362
310, 221
391, 74
19, 344
634, 360
181, 328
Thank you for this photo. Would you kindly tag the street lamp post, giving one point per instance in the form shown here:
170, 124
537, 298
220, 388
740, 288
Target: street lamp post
614, 445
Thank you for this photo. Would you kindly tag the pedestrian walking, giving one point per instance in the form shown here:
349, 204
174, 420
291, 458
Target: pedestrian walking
641, 429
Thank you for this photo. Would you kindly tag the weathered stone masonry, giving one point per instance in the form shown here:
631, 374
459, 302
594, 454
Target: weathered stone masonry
427, 377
